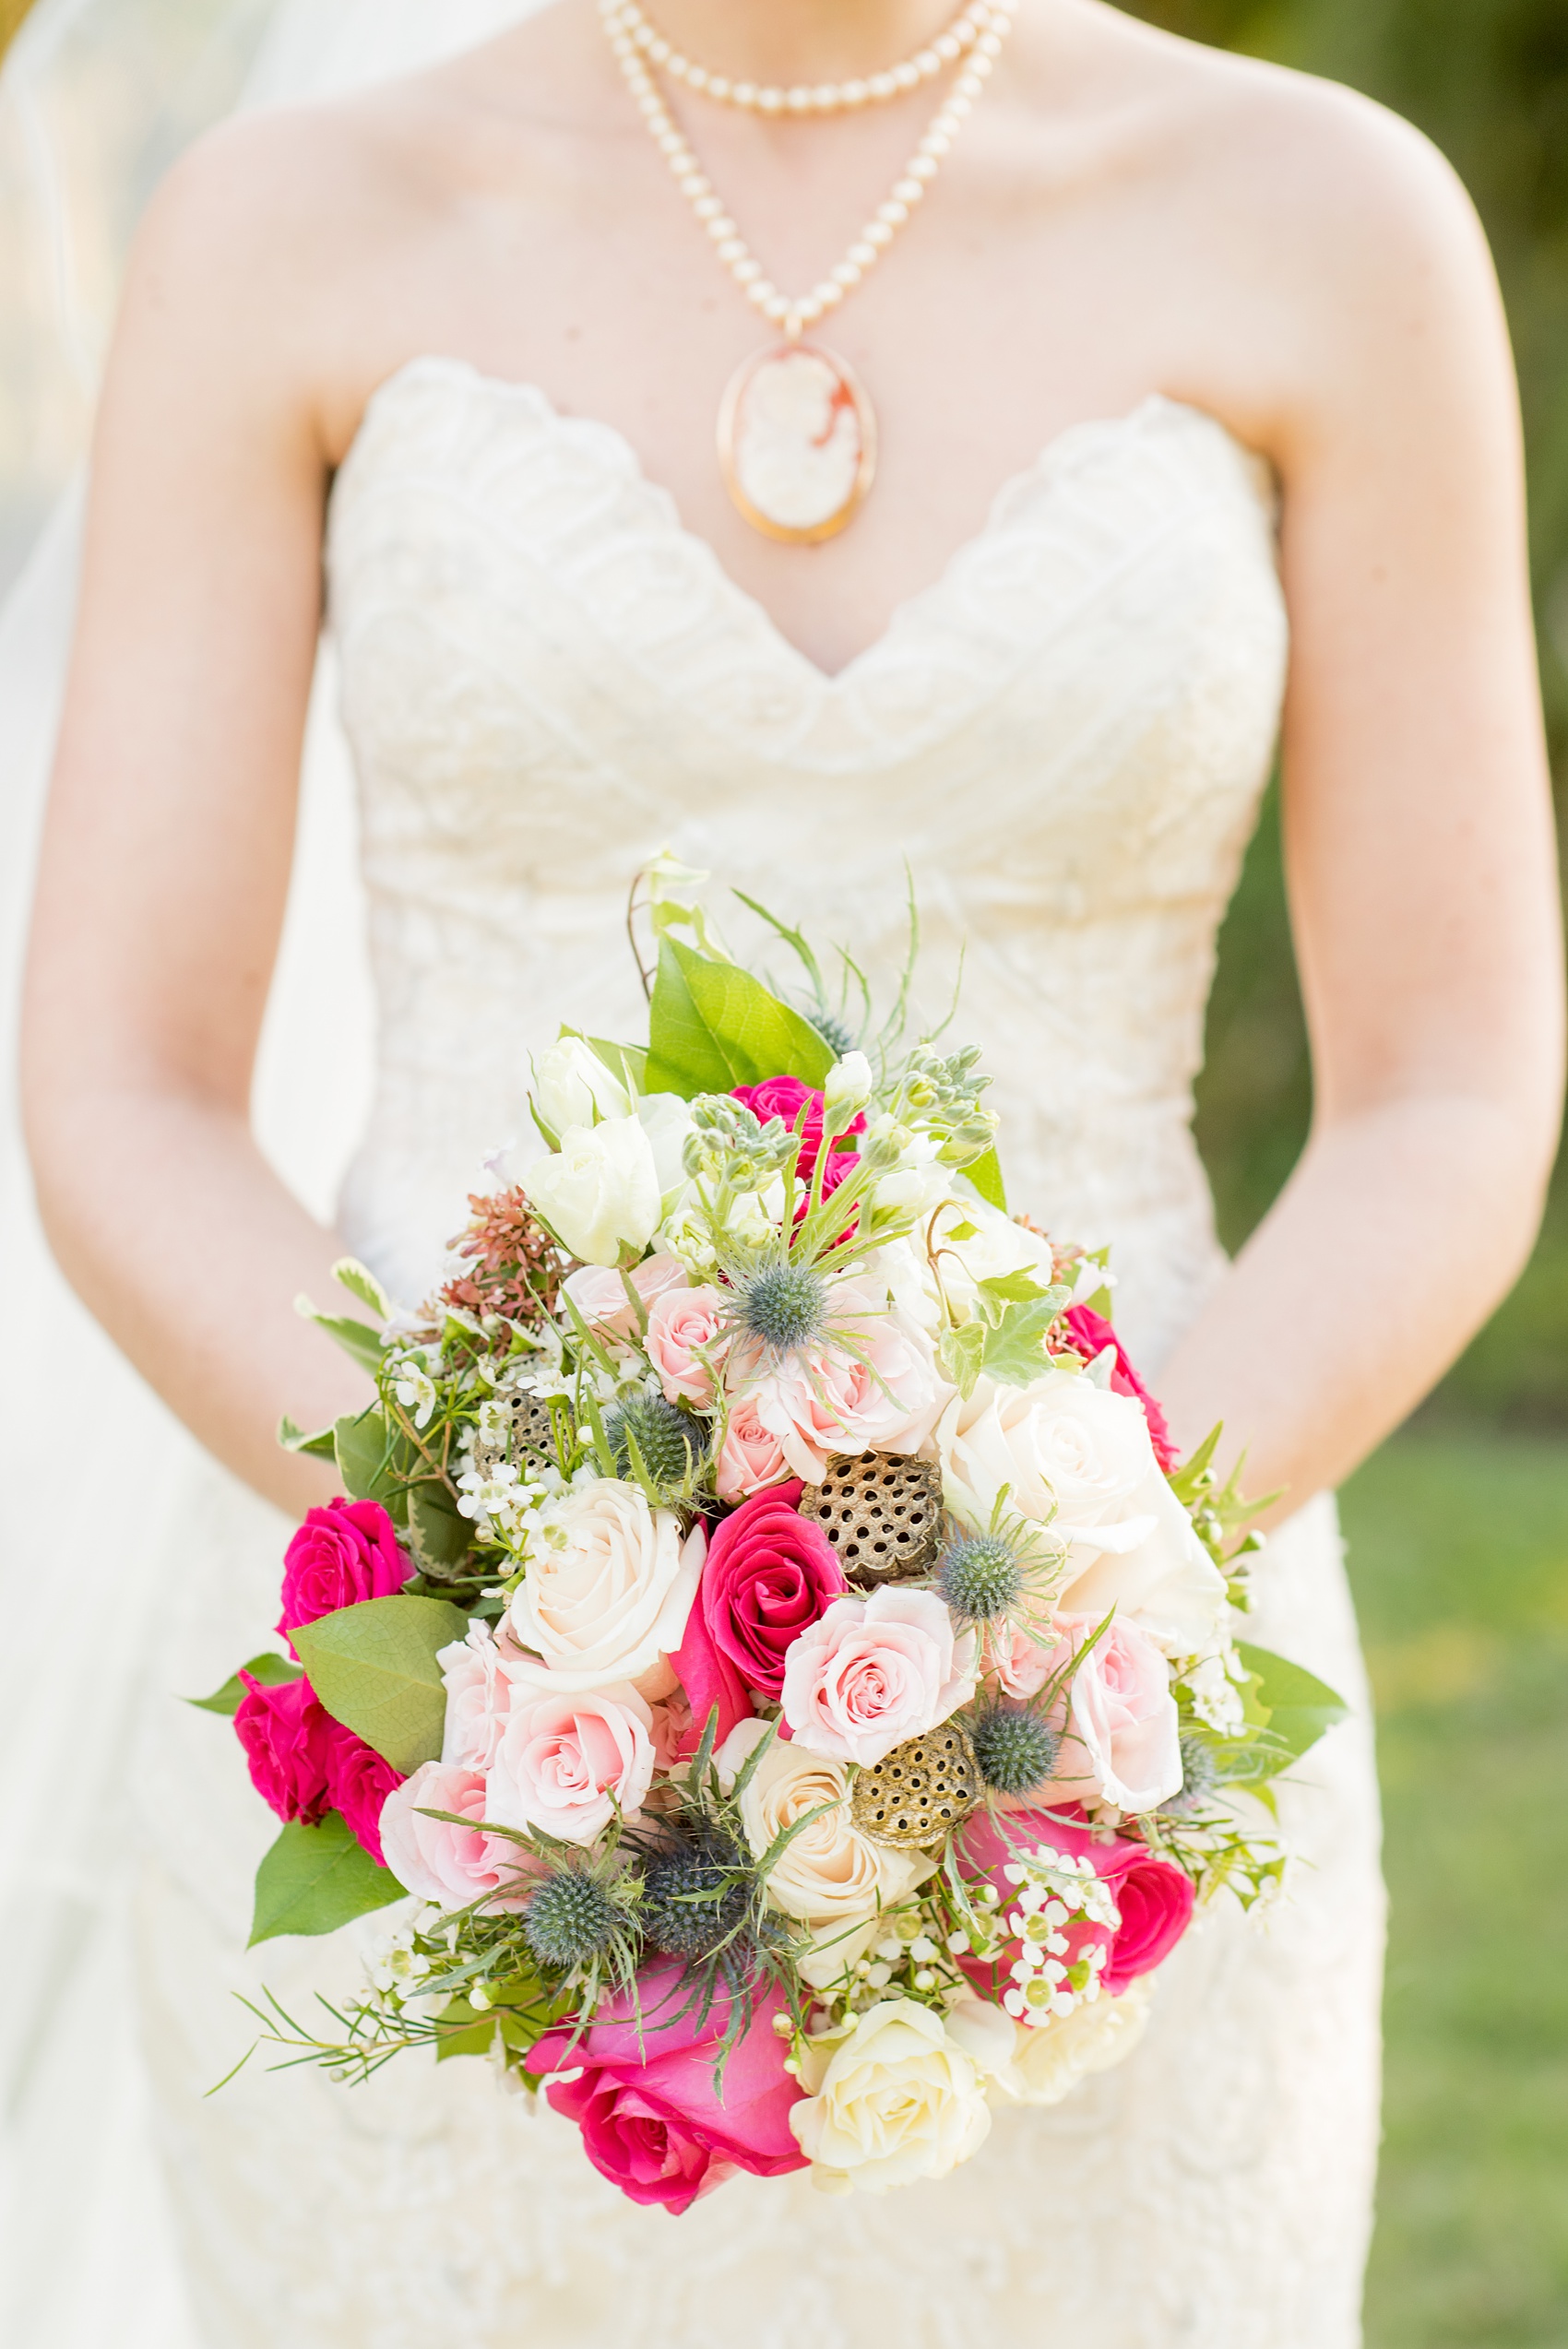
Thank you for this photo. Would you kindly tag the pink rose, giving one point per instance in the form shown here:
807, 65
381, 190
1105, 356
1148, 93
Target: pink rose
750, 1456
1092, 1333
599, 1295
452, 1866
286, 1732
343, 1553
566, 1763
672, 1732
1122, 1741
784, 1097
683, 1325
769, 1573
1155, 1899
652, 2120
1018, 1665
479, 1695
886, 1396
358, 1783
874, 1671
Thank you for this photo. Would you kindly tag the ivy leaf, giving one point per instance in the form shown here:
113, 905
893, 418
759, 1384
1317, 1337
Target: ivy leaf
985, 1174
361, 1282
320, 1447
356, 1338
1300, 1707
1014, 1342
1012, 1288
274, 1671
438, 1536
960, 1353
713, 1026
316, 1879
374, 1667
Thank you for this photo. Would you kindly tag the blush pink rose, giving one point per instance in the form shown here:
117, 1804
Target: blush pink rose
887, 1397
683, 1325
652, 2120
358, 1783
874, 1671
452, 1866
785, 1097
769, 1573
750, 1456
599, 1295
1154, 1899
478, 1696
1121, 1733
286, 1733
344, 1553
567, 1764
1017, 1664
1092, 1333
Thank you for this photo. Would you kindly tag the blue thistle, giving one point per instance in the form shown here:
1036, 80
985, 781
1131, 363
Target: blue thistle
695, 1900
571, 1919
670, 1441
1016, 1749
980, 1576
835, 1033
1200, 1776
786, 1307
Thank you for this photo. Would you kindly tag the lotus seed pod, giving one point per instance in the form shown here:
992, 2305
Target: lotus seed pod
882, 1512
918, 1793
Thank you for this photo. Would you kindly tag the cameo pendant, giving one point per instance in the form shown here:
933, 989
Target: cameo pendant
797, 442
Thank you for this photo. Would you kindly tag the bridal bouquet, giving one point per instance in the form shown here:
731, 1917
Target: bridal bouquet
768, 1631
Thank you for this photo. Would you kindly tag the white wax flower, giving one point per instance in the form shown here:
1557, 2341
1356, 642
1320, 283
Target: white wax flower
600, 1192
572, 1086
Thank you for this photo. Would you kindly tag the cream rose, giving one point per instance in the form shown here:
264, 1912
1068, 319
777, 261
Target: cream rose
565, 1764
1050, 2059
600, 1192
609, 1587
828, 1872
896, 2101
1072, 1453
872, 1672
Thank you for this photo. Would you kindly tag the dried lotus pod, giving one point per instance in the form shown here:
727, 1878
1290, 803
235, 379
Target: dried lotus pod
920, 1791
882, 1514
529, 1428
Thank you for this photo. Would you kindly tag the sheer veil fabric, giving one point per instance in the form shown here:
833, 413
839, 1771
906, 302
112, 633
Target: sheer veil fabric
97, 97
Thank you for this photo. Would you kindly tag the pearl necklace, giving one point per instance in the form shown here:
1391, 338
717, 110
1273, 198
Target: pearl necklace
822, 98
797, 435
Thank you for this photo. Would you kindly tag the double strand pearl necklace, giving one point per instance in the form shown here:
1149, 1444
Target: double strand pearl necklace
797, 435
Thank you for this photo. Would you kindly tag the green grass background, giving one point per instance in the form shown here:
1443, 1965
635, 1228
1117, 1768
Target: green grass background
1458, 1529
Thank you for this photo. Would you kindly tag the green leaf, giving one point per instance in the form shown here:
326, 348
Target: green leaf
320, 1447
361, 1282
374, 1667
1014, 1343
274, 1671
713, 1026
356, 1338
316, 1879
960, 1353
364, 1449
1300, 1707
986, 1176
438, 1536
1014, 1289
476, 2040
626, 1062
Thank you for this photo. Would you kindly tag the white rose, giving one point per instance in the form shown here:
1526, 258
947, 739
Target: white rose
898, 2100
1050, 2058
828, 1871
572, 1086
600, 1192
1072, 1453
609, 1587
666, 1120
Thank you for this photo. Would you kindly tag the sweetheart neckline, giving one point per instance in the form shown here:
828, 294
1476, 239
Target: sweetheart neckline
825, 681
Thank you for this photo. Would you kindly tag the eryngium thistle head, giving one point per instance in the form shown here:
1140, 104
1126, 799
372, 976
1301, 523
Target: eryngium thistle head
693, 1901
670, 1441
570, 1919
1016, 1749
835, 1033
1200, 1776
786, 1307
980, 1576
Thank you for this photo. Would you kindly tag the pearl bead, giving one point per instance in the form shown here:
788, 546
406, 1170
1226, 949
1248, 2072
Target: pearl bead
924, 167
893, 212
826, 97
776, 307
694, 185
878, 233
989, 46
718, 87
745, 272
659, 50
695, 78
935, 143
927, 64
670, 142
708, 207
907, 191
949, 51
856, 93
968, 86
744, 94
863, 254
770, 101
847, 274
904, 78
882, 86
827, 295
733, 249
722, 228
798, 99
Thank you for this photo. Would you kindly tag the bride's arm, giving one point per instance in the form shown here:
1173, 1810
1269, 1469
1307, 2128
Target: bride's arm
1420, 861
169, 838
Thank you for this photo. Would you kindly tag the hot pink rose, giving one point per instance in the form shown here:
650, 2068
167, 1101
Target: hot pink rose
874, 1671
885, 1396
1092, 1333
1122, 1740
1155, 1899
653, 2122
784, 1097
358, 1783
450, 1864
286, 1733
564, 1764
343, 1553
750, 1456
600, 1295
683, 1325
769, 1573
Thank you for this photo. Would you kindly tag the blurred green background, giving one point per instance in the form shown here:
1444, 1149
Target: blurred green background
1458, 1529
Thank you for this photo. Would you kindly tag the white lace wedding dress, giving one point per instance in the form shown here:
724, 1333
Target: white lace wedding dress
546, 679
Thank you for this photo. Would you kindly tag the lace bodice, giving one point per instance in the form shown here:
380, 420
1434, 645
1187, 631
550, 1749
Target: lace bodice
546, 679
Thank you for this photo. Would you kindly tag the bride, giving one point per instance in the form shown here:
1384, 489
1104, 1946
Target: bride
1167, 392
